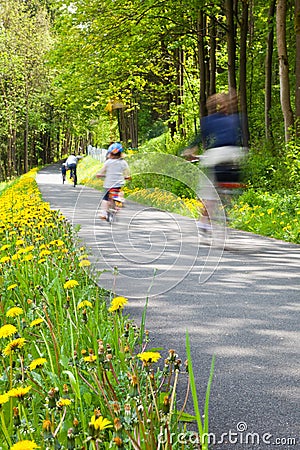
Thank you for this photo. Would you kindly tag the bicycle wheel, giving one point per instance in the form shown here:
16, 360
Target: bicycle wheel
110, 216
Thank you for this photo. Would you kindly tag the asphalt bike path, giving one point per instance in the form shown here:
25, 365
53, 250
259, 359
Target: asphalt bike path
238, 297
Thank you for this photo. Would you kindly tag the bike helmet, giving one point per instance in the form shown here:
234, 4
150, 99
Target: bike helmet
115, 148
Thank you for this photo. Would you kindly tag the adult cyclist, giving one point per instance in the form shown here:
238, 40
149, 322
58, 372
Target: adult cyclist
115, 170
71, 164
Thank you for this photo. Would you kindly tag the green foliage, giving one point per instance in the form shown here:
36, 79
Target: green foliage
201, 424
292, 161
275, 215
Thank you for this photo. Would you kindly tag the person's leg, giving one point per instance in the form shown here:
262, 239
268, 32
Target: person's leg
104, 206
208, 198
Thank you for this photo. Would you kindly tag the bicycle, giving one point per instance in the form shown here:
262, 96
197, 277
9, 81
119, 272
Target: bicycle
73, 175
63, 173
114, 204
228, 184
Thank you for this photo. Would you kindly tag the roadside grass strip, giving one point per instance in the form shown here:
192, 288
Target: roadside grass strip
76, 370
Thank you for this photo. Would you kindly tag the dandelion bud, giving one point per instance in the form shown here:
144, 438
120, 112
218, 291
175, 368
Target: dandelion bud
71, 439
100, 347
117, 424
116, 407
53, 396
118, 441
127, 409
17, 420
47, 433
166, 404
177, 364
76, 426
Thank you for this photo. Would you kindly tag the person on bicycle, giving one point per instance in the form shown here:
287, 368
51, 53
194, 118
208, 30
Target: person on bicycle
115, 170
222, 139
71, 163
64, 170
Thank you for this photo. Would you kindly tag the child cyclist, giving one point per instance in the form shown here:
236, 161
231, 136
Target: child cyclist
115, 170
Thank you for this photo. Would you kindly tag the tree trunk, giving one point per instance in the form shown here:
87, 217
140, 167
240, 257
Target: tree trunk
283, 67
26, 137
243, 72
297, 93
230, 35
268, 69
212, 57
179, 95
201, 62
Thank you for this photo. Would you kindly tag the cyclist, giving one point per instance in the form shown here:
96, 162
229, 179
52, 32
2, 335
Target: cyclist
222, 139
64, 171
71, 163
115, 170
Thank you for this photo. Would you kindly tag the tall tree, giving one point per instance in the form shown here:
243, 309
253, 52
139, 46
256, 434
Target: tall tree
285, 98
231, 42
297, 87
243, 71
268, 68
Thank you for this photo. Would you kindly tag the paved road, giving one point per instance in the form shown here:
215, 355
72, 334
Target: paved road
238, 299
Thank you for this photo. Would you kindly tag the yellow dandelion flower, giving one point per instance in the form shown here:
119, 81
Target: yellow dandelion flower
5, 247
36, 322
63, 402
28, 257
84, 303
12, 286
83, 257
4, 398
4, 259
149, 357
19, 392
16, 344
60, 243
90, 358
14, 311
100, 423
70, 284
117, 303
84, 263
19, 242
41, 261
28, 249
24, 445
15, 257
45, 253
7, 330
37, 363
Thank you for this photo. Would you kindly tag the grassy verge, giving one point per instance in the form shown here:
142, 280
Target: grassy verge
275, 215
259, 211
77, 373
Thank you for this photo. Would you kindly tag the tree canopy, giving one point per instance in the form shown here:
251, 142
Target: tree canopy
90, 71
